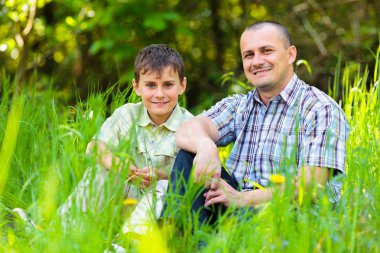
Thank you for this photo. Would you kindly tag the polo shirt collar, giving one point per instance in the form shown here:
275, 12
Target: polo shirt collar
172, 123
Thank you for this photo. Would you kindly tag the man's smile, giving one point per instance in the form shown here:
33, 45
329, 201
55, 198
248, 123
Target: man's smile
261, 71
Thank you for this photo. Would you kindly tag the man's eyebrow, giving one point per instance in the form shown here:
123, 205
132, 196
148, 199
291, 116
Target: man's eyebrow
247, 51
260, 48
266, 46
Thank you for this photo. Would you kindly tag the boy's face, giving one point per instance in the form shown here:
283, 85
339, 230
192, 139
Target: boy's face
159, 93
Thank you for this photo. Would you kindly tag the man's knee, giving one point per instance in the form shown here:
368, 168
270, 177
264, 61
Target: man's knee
185, 155
183, 161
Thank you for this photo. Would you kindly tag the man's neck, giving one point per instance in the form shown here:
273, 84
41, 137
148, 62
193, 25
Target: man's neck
266, 95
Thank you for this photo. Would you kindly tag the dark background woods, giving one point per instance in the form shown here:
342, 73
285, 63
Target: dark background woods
86, 46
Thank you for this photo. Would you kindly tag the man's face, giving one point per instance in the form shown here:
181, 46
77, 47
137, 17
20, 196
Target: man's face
159, 93
267, 63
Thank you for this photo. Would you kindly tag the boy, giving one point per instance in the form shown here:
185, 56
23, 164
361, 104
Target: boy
148, 128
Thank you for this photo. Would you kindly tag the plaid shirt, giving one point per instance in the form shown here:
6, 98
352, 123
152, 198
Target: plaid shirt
130, 128
301, 126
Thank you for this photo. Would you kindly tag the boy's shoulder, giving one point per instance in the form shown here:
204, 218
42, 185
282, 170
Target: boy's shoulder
129, 108
185, 113
128, 112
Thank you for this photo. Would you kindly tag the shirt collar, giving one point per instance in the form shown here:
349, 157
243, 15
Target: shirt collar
290, 90
287, 94
172, 123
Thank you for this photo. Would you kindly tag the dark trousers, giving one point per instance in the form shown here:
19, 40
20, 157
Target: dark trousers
183, 194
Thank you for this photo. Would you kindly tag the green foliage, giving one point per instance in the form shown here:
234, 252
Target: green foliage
92, 44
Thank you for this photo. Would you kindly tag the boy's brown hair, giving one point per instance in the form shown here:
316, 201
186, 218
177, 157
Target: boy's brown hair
155, 58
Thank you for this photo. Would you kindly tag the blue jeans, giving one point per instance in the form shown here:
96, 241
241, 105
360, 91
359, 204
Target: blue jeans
182, 193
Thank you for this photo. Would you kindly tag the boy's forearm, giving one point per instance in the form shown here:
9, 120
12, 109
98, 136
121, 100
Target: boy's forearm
104, 156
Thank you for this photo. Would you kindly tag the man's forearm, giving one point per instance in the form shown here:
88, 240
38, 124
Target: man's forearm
256, 197
195, 133
305, 178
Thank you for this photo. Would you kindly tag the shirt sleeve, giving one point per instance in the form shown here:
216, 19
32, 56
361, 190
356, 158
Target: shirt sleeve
110, 130
223, 115
325, 139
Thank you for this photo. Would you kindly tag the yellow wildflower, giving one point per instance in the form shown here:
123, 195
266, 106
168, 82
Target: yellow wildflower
129, 202
277, 178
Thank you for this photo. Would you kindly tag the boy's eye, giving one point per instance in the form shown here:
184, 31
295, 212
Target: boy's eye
150, 85
169, 85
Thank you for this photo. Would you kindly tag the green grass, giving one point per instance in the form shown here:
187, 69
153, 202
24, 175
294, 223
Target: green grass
42, 154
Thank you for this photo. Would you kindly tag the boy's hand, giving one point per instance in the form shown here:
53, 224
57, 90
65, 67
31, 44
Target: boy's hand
142, 177
146, 176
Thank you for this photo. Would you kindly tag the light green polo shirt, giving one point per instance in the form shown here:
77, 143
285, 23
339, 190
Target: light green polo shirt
131, 134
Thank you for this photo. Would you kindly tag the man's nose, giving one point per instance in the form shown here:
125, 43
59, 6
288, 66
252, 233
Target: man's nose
257, 60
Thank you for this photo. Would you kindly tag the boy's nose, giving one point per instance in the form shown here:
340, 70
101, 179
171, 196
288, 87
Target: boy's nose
159, 92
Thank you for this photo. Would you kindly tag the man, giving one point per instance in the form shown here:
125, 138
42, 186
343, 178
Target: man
283, 126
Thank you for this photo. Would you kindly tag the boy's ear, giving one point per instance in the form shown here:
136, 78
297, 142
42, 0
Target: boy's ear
136, 87
182, 86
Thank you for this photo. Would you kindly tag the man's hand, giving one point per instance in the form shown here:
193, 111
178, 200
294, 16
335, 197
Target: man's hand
224, 194
199, 135
207, 165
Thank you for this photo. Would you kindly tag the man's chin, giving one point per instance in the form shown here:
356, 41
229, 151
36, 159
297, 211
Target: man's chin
261, 84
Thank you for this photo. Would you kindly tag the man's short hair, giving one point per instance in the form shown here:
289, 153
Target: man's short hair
282, 29
155, 58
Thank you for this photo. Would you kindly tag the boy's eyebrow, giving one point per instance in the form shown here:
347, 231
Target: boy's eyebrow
165, 81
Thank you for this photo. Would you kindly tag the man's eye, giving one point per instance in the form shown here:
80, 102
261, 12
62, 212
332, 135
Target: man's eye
248, 56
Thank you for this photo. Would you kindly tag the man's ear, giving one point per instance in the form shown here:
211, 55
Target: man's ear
136, 87
182, 86
292, 53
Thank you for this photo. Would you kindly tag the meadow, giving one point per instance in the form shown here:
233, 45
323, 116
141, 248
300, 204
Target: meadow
42, 159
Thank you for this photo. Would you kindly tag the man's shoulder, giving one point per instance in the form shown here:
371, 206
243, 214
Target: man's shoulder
316, 102
314, 98
237, 99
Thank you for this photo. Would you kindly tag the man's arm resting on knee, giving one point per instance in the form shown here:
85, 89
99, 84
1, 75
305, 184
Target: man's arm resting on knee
198, 135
